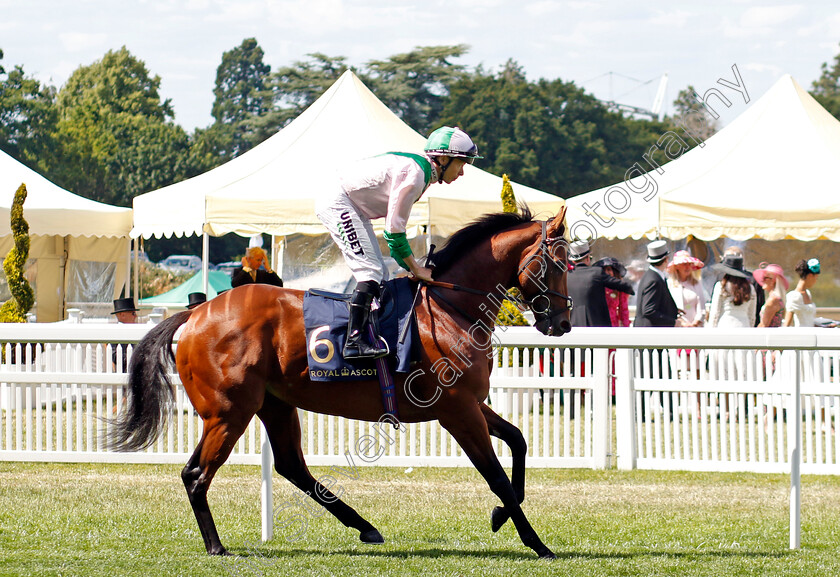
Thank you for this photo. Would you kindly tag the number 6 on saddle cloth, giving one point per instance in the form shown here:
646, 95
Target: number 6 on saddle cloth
325, 317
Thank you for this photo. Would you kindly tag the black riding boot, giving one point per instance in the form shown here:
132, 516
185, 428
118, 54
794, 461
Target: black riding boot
356, 346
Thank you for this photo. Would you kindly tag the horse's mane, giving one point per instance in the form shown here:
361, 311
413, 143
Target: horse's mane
475, 233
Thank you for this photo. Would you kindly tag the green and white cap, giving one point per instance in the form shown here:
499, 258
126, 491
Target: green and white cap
449, 141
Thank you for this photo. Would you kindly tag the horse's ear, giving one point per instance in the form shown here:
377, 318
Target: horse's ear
557, 225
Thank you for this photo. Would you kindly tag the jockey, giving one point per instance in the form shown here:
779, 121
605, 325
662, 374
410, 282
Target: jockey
386, 186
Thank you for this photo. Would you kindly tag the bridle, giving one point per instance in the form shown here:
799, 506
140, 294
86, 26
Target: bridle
543, 254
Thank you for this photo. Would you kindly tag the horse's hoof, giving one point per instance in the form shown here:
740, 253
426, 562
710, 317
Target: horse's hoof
547, 554
373, 536
498, 517
220, 550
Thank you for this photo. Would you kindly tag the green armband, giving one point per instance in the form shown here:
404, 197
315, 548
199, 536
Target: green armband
399, 247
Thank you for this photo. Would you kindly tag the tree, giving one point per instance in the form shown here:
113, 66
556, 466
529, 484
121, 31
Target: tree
297, 86
826, 89
243, 96
415, 84
117, 137
27, 117
14, 310
690, 112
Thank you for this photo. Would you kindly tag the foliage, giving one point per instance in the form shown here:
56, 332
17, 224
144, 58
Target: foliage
155, 280
243, 100
549, 135
826, 89
299, 85
509, 314
14, 310
690, 112
27, 117
415, 85
118, 138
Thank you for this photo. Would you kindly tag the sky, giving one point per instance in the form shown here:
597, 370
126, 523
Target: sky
615, 49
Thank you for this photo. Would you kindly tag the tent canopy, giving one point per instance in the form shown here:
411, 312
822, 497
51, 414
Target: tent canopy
81, 246
217, 281
772, 173
272, 188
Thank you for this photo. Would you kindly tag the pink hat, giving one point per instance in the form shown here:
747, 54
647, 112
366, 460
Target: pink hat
775, 269
683, 257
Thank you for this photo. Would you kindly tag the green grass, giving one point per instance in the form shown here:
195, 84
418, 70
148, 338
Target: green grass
59, 519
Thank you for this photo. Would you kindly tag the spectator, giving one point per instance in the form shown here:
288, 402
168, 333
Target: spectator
125, 313
733, 298
800, 308
656, 306
772, 279
759, 293
686, 289
586, 285
617, 301
195, 299
255, 269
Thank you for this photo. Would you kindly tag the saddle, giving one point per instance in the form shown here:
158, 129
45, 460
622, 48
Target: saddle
325, 317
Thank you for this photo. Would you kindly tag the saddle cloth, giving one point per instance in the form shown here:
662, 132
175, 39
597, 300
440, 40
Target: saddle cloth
325, 316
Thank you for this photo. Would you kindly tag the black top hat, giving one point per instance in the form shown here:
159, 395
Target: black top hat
609, 261
733, 266
195, 299
125, 305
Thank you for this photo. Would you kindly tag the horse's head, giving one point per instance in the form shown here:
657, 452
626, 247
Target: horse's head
542, 278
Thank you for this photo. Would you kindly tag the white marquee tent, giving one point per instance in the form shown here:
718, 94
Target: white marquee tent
272, 188
68, 232
772, 173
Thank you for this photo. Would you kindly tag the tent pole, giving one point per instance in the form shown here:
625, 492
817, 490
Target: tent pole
205, 259
138, 246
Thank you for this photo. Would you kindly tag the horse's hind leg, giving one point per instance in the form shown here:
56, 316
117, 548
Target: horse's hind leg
283, 427
512, 437
217, 441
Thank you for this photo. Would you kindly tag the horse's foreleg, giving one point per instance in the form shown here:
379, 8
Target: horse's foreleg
212, 451
469, 427
283, 427
512, 436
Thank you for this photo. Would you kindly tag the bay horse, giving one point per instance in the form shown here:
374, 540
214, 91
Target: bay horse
244, 353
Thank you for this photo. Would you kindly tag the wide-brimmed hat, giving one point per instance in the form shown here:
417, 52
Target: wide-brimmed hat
578, 250
657, 251
775, 269
684, 257
609, 261
125, 305
732, 265
195, 299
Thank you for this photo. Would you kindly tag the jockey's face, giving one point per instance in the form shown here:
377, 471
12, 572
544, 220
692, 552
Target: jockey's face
453, 170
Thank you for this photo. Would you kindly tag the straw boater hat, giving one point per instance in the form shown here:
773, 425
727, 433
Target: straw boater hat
125, 305
732, 265
657, 251
683, 257
775, 269
578, 250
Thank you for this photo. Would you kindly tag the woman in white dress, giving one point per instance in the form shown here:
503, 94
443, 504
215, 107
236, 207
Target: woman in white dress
733, 298
800, 308
686, 289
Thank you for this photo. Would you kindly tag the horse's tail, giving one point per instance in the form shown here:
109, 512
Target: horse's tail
150, 393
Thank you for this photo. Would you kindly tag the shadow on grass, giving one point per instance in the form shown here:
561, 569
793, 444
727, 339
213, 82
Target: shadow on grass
507, 554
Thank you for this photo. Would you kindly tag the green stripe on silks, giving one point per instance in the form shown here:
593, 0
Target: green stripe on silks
424, 163
398, 246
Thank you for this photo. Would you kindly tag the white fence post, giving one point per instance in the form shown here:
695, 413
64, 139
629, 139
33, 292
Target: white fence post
266, 495
625, 409
601, 408
795, 449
